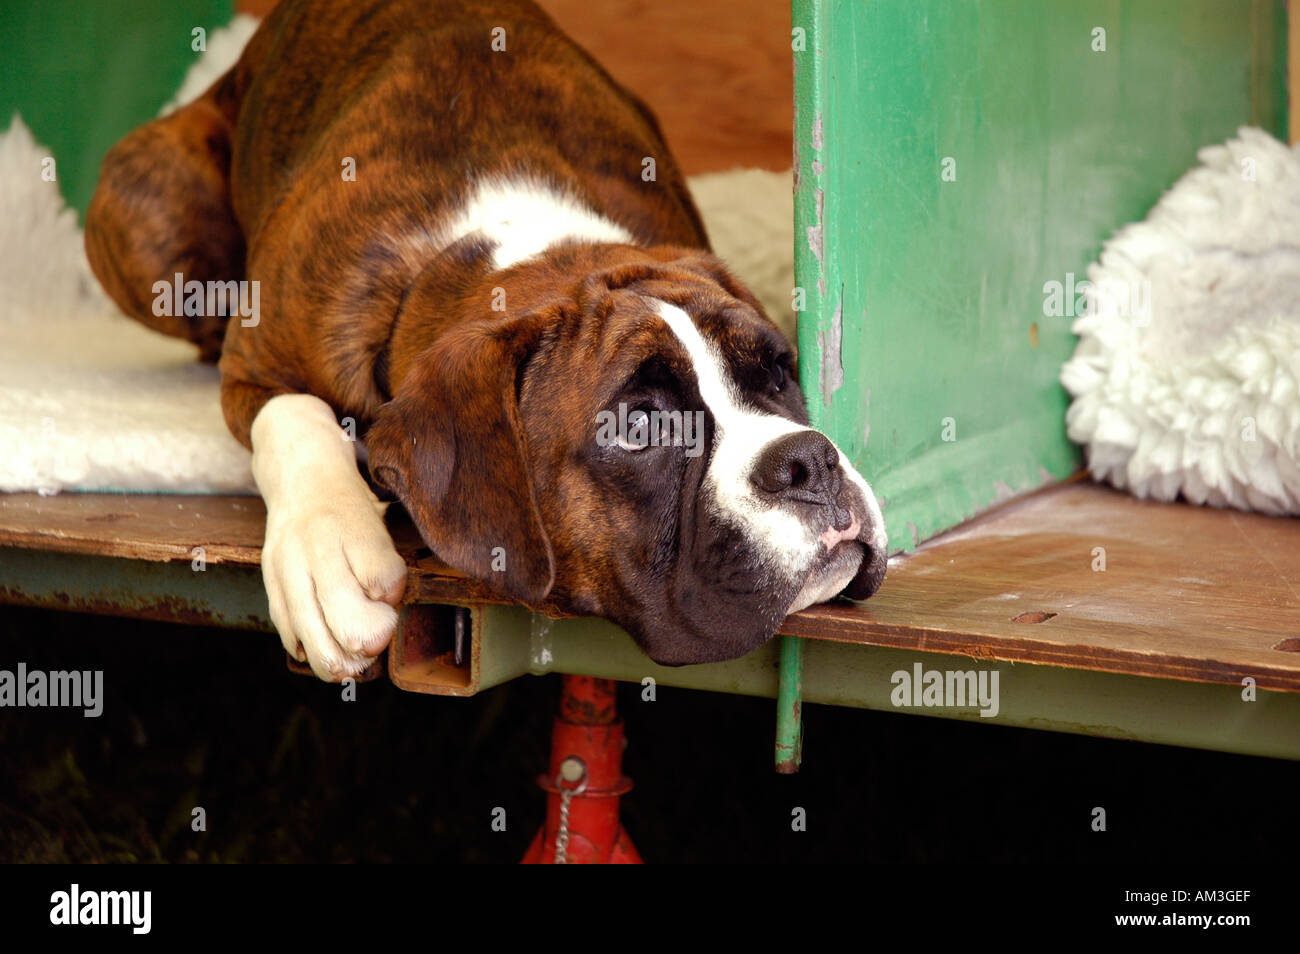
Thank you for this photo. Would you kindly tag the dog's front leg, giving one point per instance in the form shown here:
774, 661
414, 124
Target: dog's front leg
332, 574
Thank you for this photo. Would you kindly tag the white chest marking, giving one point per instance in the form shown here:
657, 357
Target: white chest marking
524, 218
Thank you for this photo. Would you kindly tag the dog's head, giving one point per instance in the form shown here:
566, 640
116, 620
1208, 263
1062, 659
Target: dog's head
636, 449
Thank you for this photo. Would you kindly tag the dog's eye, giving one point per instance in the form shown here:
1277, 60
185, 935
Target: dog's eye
778, 375
636, 436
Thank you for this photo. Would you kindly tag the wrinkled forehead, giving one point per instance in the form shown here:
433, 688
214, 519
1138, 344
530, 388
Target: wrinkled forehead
706, 345
731, 329
715, 380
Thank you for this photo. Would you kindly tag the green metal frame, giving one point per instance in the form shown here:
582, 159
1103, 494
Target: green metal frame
516, 642
952, 157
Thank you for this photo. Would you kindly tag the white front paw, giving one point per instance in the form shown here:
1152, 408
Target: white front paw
333, 579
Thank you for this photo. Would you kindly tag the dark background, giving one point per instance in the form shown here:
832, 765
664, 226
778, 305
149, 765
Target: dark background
287, 771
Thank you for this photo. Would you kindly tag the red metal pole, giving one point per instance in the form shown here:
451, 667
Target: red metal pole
586, 761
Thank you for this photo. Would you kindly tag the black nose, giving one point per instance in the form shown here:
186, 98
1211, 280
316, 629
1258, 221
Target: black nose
804, 466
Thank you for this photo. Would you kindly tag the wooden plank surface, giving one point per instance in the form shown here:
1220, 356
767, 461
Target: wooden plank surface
169, 527
1186, 593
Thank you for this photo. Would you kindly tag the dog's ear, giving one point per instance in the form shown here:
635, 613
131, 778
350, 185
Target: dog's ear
451, 446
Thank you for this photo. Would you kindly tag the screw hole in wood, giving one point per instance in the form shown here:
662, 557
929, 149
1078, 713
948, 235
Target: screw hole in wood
1037, 616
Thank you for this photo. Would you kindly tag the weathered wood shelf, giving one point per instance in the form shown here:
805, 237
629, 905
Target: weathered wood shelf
1186, 593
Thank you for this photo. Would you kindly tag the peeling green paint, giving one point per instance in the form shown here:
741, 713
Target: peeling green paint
920, 290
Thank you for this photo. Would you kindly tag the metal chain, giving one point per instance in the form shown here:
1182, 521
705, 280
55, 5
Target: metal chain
562, 836
572, 770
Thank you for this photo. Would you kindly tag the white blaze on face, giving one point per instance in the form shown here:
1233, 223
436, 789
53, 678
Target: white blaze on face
782, 539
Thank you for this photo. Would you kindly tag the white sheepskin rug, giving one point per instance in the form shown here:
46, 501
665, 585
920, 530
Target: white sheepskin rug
1186, 378
90, 400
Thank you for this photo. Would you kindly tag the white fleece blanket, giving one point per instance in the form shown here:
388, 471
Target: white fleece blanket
90, 400
1186, 378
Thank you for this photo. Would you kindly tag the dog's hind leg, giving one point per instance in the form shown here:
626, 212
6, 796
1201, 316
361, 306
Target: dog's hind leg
161, 213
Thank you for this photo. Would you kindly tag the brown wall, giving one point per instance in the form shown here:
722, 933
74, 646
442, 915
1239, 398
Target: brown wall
717, 72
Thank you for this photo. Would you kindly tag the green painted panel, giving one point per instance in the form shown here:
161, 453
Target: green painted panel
926, 297
83, 73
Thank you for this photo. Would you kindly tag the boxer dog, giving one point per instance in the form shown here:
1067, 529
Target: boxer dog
445, 211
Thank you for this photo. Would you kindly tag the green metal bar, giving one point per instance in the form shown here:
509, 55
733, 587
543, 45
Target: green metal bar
1075, 701
228, 596
789, 707
516, 642
806, 43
